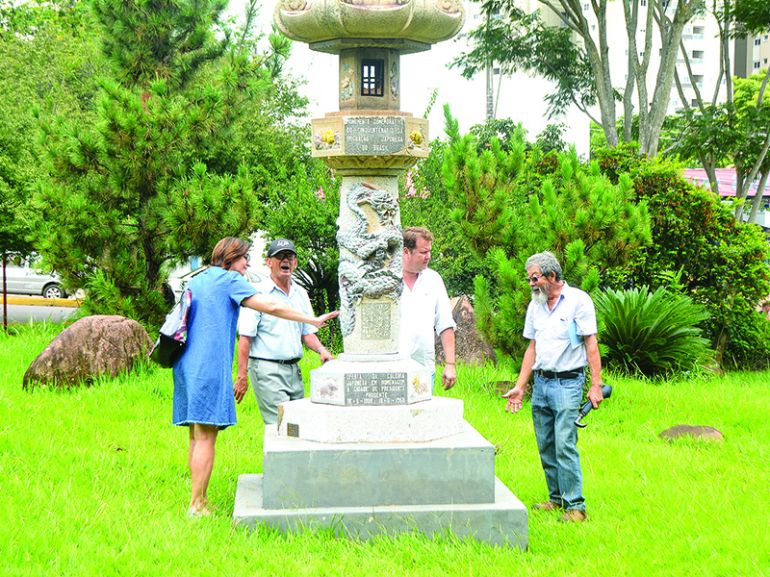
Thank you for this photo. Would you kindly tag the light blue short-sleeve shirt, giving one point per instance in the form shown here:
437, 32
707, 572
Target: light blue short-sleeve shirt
273, 338
558, 333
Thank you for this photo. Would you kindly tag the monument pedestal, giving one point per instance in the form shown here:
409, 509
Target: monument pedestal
368, 475
502, 522
367, 380
371, 452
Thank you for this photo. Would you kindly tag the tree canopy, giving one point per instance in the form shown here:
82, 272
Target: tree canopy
727, 124
185, 107
576, 56
754, 15
47, 64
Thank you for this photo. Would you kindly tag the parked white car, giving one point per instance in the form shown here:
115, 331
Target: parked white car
26, 279
177, 284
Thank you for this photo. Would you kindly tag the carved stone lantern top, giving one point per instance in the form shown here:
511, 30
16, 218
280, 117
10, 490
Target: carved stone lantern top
336, 25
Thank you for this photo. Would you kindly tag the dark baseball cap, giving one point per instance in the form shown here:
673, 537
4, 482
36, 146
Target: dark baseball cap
280, 245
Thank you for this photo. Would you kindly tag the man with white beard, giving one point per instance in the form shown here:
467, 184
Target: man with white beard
561, 328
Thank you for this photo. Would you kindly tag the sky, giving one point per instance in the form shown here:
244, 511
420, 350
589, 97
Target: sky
520, 98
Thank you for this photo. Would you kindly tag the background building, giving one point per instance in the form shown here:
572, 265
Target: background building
752, 55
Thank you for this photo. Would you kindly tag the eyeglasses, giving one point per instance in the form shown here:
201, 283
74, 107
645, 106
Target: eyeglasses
247, 256
284, 255
535, 278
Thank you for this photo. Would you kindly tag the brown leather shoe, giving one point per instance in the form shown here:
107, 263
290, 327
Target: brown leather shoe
546, 506
574, 516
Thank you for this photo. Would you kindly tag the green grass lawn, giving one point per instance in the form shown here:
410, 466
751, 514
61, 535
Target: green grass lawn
94, 482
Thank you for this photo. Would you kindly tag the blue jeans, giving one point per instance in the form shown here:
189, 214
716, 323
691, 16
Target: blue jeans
555, 404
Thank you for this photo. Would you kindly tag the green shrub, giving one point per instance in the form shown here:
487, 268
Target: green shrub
510, 202
651, 334
722, 262
749, 342
424, 202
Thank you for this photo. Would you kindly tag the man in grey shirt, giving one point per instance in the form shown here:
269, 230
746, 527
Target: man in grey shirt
270, 347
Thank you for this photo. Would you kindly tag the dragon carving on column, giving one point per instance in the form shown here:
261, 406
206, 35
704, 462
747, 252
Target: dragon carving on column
370, 252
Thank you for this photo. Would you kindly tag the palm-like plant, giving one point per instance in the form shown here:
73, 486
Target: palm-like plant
651, 334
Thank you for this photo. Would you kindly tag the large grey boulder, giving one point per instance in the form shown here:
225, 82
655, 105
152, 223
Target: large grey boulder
90, 347
470, 347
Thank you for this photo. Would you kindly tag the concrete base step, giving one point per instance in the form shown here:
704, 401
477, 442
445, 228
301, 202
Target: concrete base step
503, 522
455, 469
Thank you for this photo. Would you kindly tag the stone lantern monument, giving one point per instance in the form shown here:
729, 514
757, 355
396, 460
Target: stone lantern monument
372, 451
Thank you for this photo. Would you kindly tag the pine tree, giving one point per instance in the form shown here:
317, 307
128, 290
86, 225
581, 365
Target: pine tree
510, 204
45, 63
159, 177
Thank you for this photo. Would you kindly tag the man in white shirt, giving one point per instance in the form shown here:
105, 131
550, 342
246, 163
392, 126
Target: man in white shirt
270, 347
561, 328
425, 307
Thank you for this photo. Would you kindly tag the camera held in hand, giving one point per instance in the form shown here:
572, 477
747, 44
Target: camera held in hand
586, 407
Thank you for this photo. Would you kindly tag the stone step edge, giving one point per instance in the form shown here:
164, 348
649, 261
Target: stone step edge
501, 523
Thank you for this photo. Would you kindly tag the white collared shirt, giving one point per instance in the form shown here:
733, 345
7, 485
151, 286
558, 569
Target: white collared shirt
550, 329
425, 311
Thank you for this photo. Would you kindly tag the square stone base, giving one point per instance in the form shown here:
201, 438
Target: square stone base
503, 522
429, 420
300, 474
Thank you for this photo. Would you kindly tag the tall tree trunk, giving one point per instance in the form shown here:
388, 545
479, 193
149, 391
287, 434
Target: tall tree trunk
671, 34
745, 181
758, 197
599, 59
740, 190
571, 14
631, 13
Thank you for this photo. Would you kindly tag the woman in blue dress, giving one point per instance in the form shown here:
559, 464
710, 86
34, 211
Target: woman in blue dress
203, 382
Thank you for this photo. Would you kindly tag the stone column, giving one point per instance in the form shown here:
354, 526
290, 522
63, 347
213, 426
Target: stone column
370, 149
370, 244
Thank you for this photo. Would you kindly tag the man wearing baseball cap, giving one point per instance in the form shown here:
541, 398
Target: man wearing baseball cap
270, 347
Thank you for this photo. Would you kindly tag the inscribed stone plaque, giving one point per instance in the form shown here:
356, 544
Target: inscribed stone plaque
375, 135
375, 388
292, 430
375, 321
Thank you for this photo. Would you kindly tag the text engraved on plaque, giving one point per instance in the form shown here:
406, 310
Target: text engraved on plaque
375, 389
375, 321
374, 134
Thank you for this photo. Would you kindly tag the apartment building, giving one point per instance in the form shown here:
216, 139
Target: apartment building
752, 55
701, 42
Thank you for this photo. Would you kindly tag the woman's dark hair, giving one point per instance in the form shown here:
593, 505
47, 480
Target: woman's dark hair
228, 250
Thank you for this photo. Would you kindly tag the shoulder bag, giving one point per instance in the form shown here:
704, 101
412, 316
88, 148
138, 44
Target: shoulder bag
172, 336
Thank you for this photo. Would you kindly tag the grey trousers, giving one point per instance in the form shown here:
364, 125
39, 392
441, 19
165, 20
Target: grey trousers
273, 384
